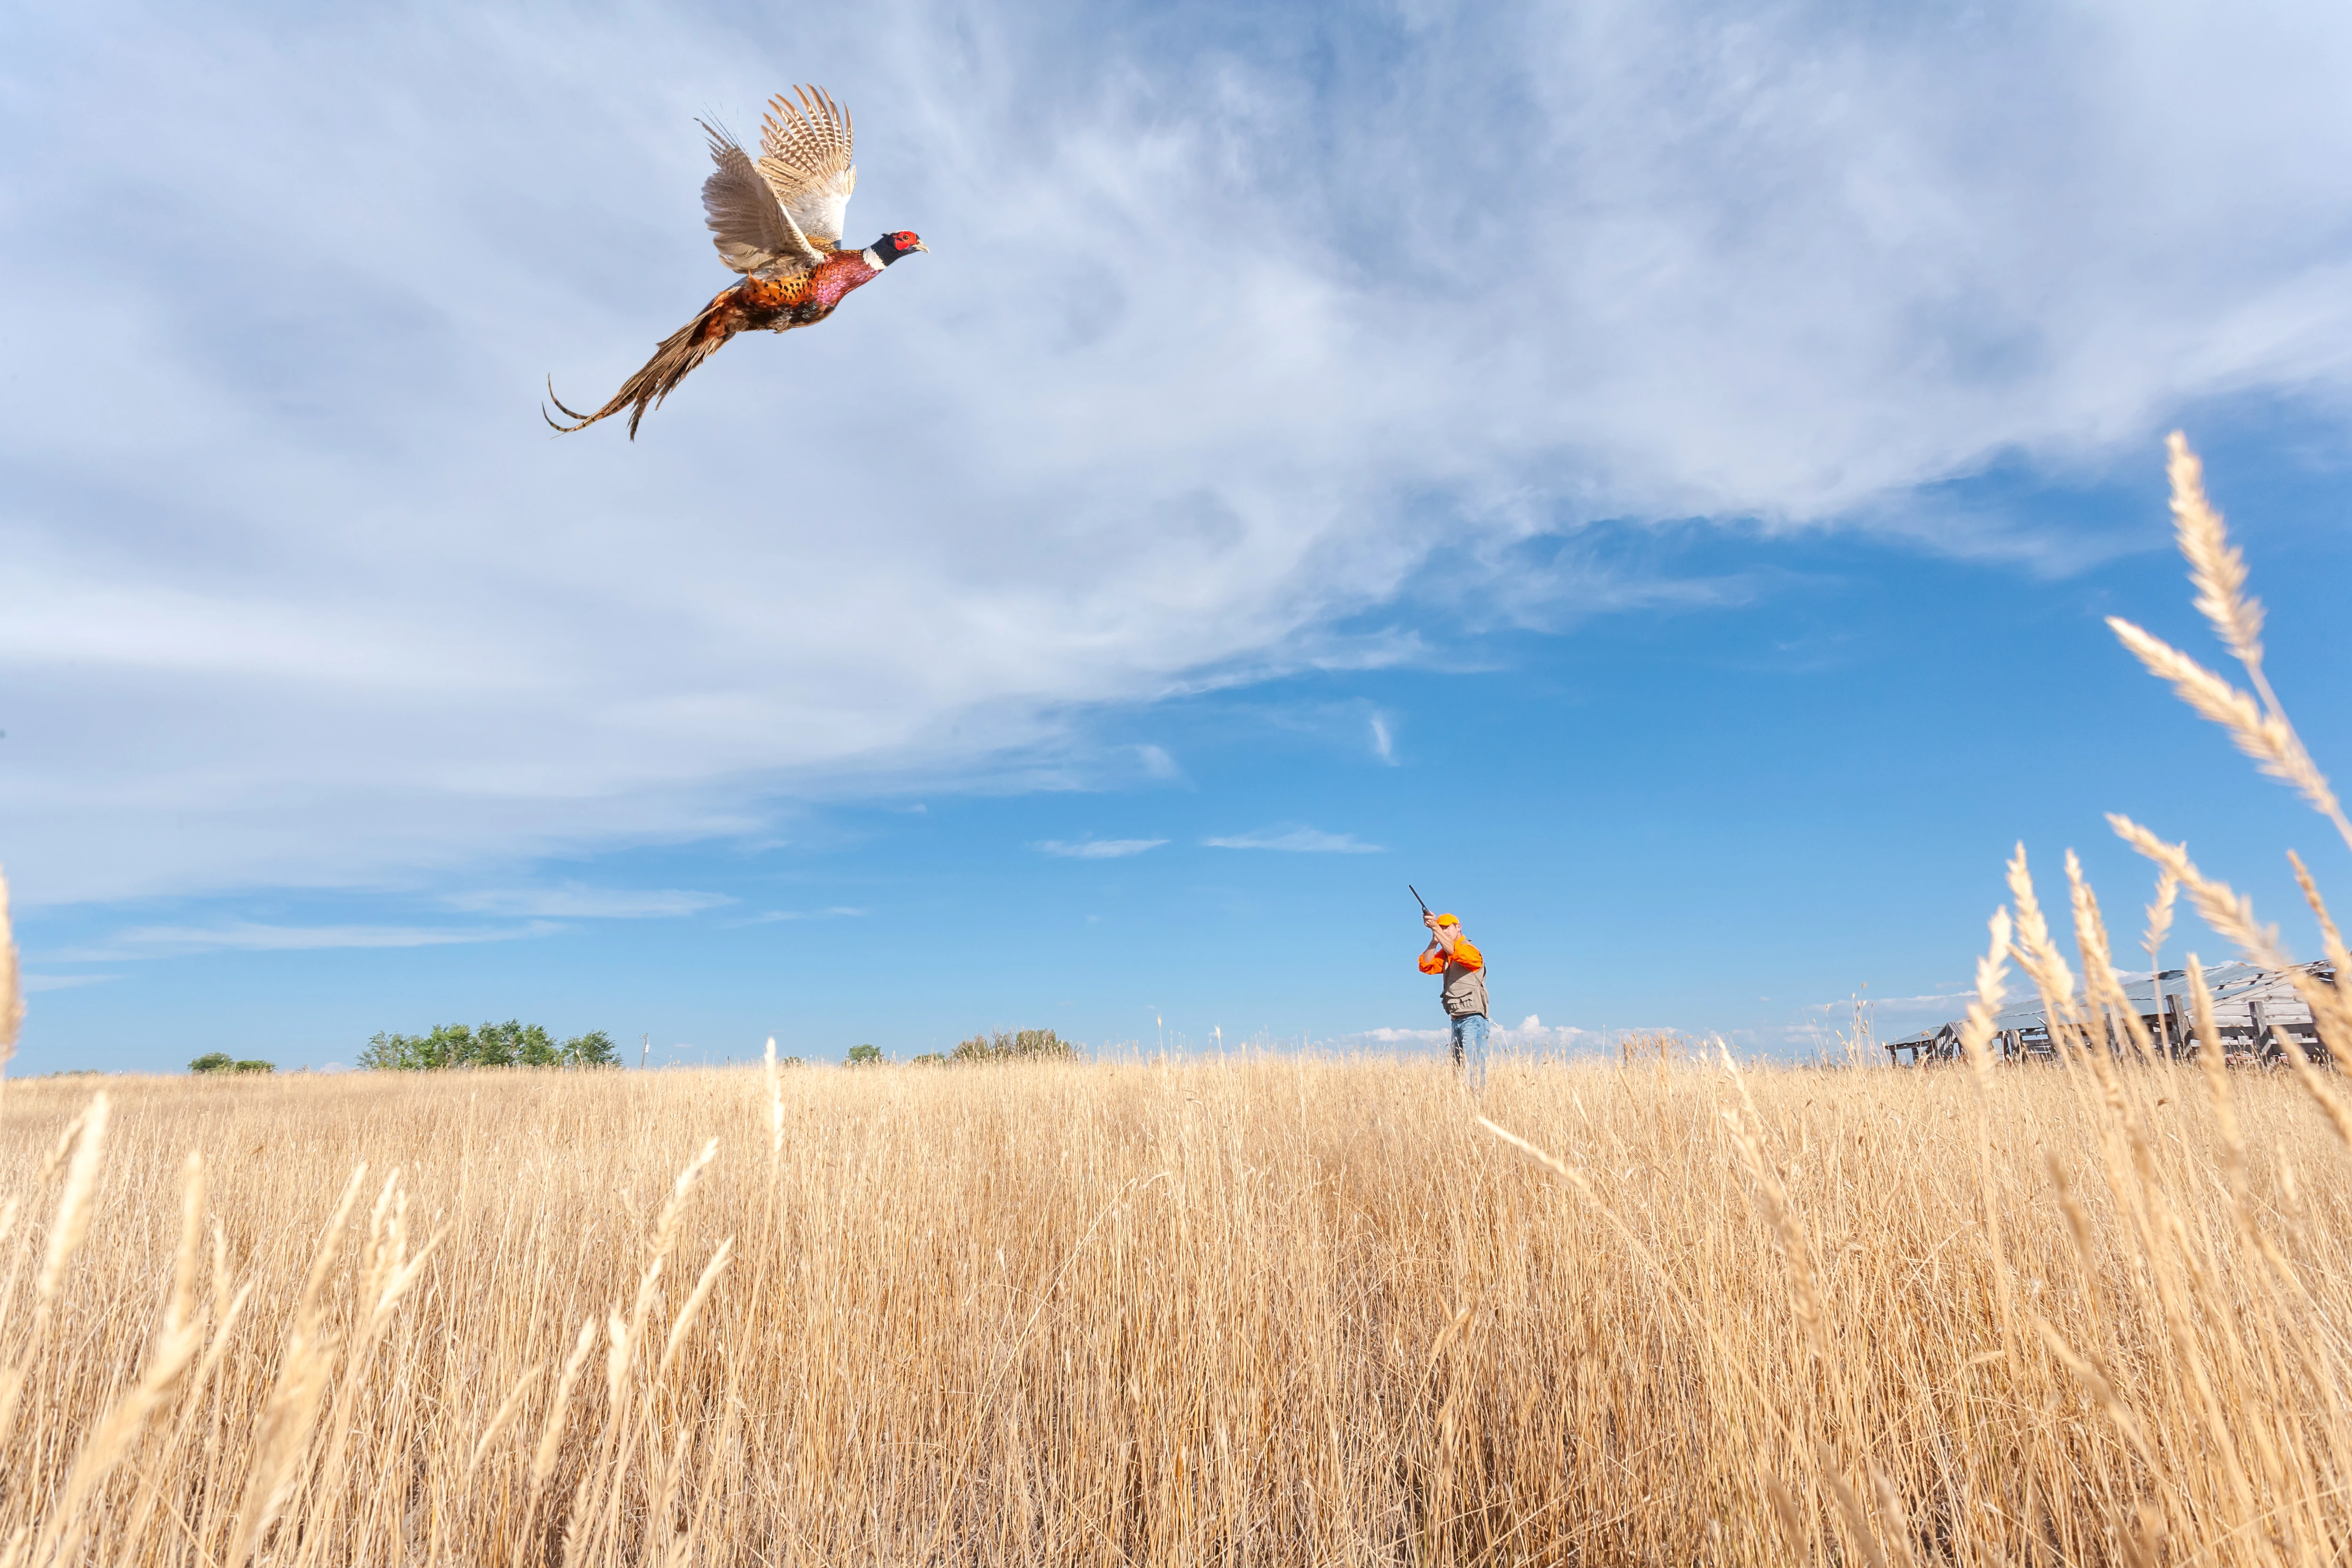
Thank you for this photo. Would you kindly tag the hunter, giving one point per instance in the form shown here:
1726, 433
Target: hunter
1453, 955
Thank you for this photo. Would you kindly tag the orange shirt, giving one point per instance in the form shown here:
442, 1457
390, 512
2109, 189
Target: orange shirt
1464, 954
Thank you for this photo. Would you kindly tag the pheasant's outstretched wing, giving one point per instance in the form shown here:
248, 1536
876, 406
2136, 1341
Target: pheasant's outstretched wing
752, 232
805, 151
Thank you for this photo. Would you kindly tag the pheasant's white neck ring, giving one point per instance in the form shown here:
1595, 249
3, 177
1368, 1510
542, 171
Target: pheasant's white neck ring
873, 258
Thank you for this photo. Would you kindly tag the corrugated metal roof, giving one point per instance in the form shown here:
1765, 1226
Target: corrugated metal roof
2234, 987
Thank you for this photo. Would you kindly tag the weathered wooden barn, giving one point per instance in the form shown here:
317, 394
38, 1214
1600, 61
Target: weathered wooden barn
2256, 1012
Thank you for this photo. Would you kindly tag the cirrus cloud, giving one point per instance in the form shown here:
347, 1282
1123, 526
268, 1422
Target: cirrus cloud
1305, 296
253, 936
586, 903
1096, 848
1297, 841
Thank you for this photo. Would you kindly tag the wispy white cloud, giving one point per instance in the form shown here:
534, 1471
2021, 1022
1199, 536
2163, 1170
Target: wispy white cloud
61, 982
586, 903
1383, 741
1296, 840
1096, 848
772, 916
249, 936
1511, 268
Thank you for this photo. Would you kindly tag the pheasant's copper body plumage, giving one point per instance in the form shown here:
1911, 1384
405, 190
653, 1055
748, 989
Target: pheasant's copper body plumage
779, 223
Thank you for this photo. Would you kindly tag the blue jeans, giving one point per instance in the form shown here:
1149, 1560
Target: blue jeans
1470, 1048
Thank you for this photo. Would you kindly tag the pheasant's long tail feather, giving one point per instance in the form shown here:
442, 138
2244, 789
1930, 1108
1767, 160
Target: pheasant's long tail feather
676, 358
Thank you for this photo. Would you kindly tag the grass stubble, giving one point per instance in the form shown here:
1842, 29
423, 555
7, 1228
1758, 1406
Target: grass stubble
1281, 1310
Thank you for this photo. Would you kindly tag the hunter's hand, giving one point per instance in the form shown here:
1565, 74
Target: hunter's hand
1430, 921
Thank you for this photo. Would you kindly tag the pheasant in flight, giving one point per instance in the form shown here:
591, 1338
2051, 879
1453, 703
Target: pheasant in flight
777, 222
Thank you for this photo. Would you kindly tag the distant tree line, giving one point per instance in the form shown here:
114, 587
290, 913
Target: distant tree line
221, 1061
513, 1043
1005, 1045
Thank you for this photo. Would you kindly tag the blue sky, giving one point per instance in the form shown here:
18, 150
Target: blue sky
1650, 475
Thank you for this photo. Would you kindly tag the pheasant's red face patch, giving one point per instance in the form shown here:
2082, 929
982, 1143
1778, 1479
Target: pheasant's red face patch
905, 239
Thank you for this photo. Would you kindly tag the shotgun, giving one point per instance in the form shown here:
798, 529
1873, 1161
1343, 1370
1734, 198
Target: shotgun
1417, 897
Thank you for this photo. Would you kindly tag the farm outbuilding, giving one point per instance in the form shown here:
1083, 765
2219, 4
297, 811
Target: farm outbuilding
2255, 1010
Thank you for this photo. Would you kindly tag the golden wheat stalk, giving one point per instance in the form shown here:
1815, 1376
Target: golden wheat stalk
2215, 565
176, 1341
386, 1273
2101, 985
2258, 723
2232, 915
1632, 1239
1984, 1006
2101, 1384
509, 1410
2159, 926
1975, 1044
1770, 1194
1849, 1506
693, 1307
1808, 1296
86, 1136
2210, 1057
775, 1109
550, 1432
304, 1368
550, 1447
2263, 735
2037, 953
616, 1444
72, 1223
2227, 911
12, 999
2159, 913
2331, 939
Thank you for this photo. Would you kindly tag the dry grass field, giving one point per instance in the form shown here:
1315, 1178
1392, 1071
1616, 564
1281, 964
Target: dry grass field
1281, 1312
1274, 1312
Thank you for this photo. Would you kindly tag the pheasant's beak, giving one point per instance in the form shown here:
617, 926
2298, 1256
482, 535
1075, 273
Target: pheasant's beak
922, 247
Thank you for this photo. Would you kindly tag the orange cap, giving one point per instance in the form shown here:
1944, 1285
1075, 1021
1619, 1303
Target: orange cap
1448, 921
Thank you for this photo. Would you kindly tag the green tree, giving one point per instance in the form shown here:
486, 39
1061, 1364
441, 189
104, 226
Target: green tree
511, 1044
862, 1056
1026, 1045
221, 1061
445, 1047
593, 1049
